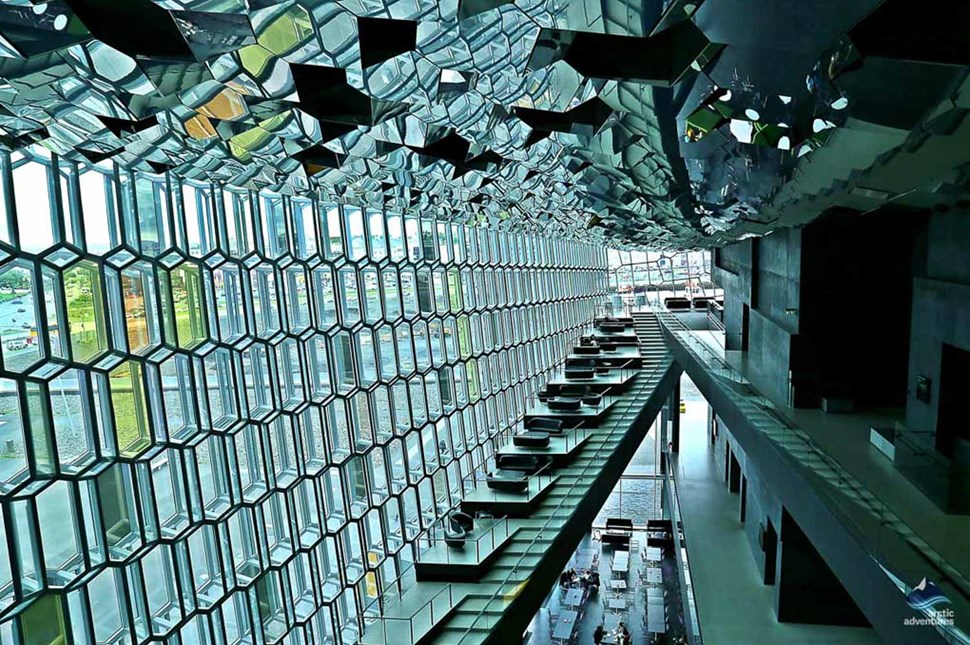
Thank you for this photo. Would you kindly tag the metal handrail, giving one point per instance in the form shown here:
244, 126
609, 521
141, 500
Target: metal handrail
595, 464
680, 554
409, 619
434, 535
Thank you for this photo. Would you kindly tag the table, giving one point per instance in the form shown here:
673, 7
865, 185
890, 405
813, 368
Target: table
618, 604
618, 585
574, 597
654, 575
656, 622
620, 566
565, 625
653, 553
610, 623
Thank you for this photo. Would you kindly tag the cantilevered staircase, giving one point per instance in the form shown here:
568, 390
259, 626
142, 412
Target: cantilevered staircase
497, 607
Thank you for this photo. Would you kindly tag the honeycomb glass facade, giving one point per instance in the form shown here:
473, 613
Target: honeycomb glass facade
226, 416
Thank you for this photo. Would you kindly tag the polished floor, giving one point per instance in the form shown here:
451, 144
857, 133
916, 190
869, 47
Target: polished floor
732, 603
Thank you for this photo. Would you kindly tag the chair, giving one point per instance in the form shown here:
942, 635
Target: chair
521, 463
586, 349
579, 372
455, 537
618, 531
575, 390
582, 392
553, 426
506, 481
460, 520
531, 439
563, 403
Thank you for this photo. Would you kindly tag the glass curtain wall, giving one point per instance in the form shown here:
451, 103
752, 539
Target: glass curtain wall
662, 273
225, 415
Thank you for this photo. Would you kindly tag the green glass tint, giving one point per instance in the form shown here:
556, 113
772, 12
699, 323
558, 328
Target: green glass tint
83, 297
227, 415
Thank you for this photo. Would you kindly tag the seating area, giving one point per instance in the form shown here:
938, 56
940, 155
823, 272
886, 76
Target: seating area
507, 480
585, 367
531, 439
457, 528
564, 403
610, 323
678, 302
513, 481
613, 594
582, 392
528, 464
575, 371
618, 531
610, 355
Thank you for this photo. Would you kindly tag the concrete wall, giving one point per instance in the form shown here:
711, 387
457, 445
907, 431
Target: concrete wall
940, 314
846, 550
732, 272
779, 278
857, 306
830, 305
855, 302
762, 503
764, 274
806, 589
769, 352
941, 310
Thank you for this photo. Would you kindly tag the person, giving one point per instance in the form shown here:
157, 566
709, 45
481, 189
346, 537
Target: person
564, 579
598, 634
625, 638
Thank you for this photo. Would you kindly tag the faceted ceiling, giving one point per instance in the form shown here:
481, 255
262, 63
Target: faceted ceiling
650, 123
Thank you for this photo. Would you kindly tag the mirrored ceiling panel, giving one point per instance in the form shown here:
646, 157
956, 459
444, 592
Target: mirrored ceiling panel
666, 123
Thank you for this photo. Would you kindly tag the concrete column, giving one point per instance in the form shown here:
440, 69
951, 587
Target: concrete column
673, 412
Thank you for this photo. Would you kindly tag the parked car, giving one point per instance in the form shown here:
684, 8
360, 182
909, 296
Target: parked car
14, 345
21, 310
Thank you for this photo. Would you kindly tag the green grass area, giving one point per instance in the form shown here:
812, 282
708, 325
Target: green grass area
7, 297
130, 410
